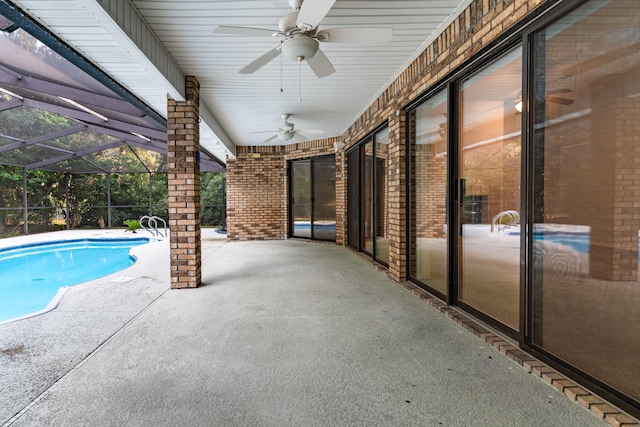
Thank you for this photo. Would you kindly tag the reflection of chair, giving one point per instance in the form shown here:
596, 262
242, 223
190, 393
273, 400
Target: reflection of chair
504, 219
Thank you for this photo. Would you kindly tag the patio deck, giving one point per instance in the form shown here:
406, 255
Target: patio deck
282, 333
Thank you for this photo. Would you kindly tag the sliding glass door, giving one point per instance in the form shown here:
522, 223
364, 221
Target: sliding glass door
428, 206
367, 188
585, 102
489, 188
313, 198
323, 218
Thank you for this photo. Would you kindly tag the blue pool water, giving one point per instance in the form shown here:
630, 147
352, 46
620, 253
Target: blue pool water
577, 241
305, 225
32, 275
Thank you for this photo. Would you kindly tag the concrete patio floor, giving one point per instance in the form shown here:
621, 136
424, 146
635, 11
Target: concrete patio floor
282, 333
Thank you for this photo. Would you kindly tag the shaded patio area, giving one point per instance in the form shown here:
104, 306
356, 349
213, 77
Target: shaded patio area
282, 333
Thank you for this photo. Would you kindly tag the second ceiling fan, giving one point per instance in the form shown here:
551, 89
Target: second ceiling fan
286, 131
300, 37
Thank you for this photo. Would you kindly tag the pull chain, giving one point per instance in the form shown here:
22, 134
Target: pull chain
281, 89
300, 78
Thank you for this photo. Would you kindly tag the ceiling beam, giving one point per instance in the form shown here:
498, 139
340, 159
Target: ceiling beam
41, 33
134, 34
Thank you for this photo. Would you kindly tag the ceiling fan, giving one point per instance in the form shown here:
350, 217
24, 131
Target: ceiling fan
286, 131
299, 37
548, 96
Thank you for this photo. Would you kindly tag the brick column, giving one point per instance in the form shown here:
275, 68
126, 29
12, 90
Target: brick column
397, 203
341, 197
183, 138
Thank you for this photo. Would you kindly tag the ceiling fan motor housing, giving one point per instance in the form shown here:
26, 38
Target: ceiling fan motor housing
288, 22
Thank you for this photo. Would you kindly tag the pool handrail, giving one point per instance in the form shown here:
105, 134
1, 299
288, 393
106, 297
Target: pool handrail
512, 218
152, 225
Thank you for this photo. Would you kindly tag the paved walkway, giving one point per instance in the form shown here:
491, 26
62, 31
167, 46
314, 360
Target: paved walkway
283, 333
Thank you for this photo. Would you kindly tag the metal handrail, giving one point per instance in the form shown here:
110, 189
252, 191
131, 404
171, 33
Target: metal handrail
152, 225
512, 218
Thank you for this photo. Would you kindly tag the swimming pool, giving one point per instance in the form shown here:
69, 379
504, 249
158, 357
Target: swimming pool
34, 277
577, 241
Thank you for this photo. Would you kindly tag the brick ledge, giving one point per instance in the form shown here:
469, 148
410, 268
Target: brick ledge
588, 400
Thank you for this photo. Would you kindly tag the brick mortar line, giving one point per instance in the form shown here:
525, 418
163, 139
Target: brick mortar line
595, 404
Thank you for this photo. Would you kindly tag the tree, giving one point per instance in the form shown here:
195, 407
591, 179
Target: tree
212, 198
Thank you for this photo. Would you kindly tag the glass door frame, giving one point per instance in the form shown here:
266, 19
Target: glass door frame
454, 191
523, 35
529, 152
360, 148
311, 161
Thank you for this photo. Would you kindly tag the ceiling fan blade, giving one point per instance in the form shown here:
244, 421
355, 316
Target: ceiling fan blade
361, 36
312, 12
557, 100
557, 91
244, 31
271, 138
261, 61
264, 131
320, 65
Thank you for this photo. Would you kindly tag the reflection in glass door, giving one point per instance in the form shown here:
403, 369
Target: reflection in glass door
489, 171
429, 252
366, 207
585, 285
368, 194
353, 198
381, 196
301, 198
323, 221
313, 198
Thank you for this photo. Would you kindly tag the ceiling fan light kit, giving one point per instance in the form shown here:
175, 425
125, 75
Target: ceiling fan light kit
285, 135
300, 48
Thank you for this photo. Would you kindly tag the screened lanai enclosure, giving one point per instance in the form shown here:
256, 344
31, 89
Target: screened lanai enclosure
76, 148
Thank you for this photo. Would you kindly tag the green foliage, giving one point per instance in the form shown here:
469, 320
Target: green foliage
87, 199
212, 198
132, 224
42, 185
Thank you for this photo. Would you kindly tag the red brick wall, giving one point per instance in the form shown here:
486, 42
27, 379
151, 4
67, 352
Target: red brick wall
256, 194
431, 192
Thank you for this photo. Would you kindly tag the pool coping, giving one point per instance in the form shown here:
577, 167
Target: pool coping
44, 239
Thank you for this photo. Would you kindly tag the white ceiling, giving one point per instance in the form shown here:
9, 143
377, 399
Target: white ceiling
233, 105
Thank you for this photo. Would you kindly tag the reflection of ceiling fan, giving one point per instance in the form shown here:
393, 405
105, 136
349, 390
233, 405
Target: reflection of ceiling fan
440, 132
286, 131
299, 37
548, 97
556, 99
